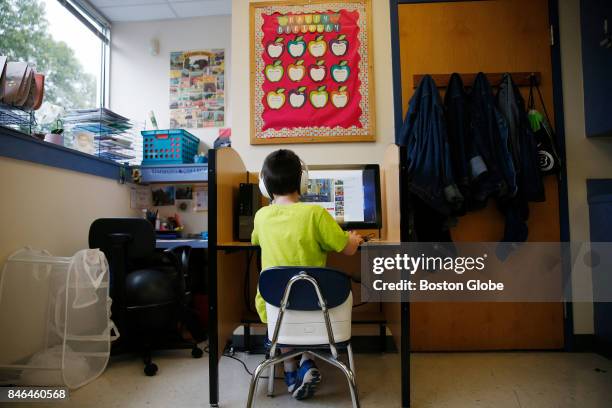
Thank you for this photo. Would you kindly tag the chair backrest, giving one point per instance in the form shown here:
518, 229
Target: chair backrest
141, 243
335, 287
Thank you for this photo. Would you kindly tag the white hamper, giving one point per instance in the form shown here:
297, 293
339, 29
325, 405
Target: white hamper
55, 326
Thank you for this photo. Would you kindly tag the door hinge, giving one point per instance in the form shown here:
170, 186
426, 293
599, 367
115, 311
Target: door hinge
552, 35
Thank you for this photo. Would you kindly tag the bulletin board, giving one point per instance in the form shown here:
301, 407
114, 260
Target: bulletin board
311, 72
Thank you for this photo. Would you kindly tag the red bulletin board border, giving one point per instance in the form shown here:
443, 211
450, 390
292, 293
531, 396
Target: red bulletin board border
311, 134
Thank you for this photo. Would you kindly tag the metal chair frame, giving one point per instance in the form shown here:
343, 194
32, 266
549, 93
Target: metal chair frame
273, 359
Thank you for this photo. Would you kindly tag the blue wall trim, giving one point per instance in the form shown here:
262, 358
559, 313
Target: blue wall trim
20, 146
564, 225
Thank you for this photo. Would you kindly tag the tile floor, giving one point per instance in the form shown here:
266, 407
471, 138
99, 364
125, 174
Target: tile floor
441, 380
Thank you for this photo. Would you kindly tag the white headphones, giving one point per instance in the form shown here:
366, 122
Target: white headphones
303, 183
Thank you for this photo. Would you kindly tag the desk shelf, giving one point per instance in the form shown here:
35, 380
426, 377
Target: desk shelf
175, 173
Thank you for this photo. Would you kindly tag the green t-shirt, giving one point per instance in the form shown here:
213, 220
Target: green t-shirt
296, 234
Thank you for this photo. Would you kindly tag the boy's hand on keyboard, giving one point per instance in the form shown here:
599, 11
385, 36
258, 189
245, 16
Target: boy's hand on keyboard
354, 240
356, 237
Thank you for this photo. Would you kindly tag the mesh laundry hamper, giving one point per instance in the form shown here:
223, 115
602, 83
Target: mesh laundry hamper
54, 318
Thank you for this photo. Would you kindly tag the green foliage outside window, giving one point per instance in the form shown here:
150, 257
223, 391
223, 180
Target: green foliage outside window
24, 36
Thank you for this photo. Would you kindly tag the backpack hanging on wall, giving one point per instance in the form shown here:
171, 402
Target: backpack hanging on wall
548, 157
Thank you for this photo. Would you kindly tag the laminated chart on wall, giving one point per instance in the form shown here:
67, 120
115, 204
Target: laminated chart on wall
312, 74
197, 89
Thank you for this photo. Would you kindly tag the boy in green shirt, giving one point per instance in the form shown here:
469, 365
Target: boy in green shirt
291, 233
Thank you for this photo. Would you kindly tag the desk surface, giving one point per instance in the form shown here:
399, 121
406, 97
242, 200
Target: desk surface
236, 244
171, 243
247, 245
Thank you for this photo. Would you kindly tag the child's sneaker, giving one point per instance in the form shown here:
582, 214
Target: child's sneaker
308, 377
291, 380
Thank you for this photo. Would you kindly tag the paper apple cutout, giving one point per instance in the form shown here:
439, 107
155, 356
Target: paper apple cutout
308, 18
274, 72
334, 18
339, 45
275, 48
340, 72
318, 71
283, 20
276, 99
312, 28
297, 97
297, 71
296, 47
340, 97
319, 98
317, 47
316, 18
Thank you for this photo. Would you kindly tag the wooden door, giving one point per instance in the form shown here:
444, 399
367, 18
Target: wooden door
468, 37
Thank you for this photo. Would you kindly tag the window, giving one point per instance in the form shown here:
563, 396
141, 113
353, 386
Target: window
63, 39
67, 41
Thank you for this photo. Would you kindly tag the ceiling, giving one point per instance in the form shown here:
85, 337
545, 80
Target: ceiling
145, 10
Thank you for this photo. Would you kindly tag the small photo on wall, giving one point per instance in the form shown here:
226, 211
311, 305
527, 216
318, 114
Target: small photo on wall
184, 192
163, 196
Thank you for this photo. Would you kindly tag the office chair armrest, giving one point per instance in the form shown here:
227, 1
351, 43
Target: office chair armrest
117, 261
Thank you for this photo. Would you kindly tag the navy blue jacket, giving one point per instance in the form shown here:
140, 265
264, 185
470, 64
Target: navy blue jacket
429, 162
490, 136
522, 141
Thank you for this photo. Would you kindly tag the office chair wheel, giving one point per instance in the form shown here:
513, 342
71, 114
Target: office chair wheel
196, 352
150, 369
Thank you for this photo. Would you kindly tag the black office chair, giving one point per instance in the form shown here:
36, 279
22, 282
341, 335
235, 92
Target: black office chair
148, 289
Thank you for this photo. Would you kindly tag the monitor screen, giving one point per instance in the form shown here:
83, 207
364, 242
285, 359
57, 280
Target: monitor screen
350, 193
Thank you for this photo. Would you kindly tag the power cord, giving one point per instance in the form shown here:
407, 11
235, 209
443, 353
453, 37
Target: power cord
230, 354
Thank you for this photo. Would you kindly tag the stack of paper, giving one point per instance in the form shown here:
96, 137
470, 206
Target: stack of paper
103, 133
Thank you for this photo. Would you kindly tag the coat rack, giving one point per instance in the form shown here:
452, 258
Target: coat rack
442, 80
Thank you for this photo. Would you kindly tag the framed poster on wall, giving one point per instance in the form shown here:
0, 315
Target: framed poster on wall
311, 72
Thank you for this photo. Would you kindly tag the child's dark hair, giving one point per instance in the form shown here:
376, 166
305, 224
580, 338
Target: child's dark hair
282, 171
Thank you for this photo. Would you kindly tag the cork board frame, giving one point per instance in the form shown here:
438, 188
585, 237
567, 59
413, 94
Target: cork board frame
365, 131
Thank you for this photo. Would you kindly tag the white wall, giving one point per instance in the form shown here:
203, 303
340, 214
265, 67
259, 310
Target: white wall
139, 82
337, 153
586, 158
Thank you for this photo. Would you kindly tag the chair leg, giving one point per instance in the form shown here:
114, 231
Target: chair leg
271, 378
254, 380
348, 373
261, 368
349, 349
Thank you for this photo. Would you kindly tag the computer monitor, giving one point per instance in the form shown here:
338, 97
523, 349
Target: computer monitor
350, 193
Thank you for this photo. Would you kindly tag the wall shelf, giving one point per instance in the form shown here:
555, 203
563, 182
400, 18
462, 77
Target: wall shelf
175, 173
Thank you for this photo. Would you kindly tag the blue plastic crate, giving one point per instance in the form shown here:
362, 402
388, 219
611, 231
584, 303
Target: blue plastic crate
170, 146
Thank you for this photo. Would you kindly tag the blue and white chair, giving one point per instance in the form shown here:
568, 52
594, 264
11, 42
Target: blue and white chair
309, 310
